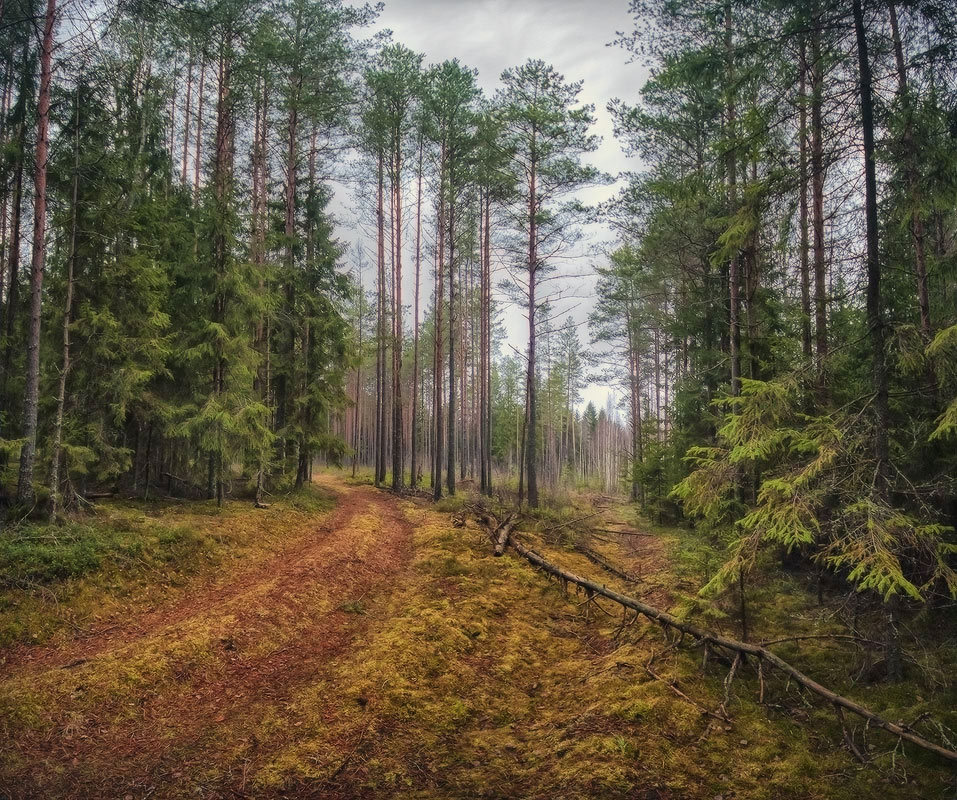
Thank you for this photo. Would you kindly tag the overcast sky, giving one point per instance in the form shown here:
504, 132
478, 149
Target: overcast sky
572, 35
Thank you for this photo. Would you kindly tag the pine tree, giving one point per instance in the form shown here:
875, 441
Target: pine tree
546, 133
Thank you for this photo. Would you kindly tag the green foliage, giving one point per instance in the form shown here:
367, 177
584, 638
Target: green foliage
180, 318
44, 555
813, 492
942, 354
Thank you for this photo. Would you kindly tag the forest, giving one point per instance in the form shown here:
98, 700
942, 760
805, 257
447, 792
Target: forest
266, 271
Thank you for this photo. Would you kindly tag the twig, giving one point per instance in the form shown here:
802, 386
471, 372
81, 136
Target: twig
728, 681
571, 522
742, 648
848, 738
838, 636
683, 696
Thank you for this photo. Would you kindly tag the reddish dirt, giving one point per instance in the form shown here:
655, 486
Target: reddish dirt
208, 711
21, 658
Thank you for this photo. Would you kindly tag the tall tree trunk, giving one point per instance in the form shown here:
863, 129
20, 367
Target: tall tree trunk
67, 313
172, 112
414, 422
634, 381
5, 102
875, 322
462, 316
734, 277
398, 438
817, 200
197, 159
910, 175
285, 379
258, 248
16, 220
486, 348
802, 201
31, 393
380, 338
357, 413
450, 463
439, 299
531, 454
222, 187
189, 94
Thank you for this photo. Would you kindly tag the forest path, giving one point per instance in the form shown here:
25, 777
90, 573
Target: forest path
302, 553
145, 702
386, 653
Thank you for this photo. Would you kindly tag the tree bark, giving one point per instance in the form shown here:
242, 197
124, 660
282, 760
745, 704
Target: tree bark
357, 412
414, 422
25, 492
450, 452
486, 347
67, 313
910, 175
804, 254
189, 94
437, 333
875, 324
380, 338
531, 454
197, 160
16, 216
817, 201
734, 277
398, 438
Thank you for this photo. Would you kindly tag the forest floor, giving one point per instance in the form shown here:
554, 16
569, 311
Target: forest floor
374, 650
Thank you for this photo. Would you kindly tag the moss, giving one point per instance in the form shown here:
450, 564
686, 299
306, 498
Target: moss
127, 555
470, 676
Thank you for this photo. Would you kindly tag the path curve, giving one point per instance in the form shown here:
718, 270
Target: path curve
218, 656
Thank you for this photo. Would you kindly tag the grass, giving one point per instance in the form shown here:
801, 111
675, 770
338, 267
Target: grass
127, 555
471, 676
477, 678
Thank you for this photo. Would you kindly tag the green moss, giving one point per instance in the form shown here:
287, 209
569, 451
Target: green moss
127, 554
475, 677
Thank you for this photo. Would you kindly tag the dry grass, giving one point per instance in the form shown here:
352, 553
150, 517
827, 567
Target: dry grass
458, 675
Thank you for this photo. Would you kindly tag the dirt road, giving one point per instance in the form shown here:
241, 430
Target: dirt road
152, 700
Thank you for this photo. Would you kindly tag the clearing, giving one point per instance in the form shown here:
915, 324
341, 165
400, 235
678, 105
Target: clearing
375, 650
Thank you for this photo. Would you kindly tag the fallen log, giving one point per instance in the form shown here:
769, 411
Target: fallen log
502, 533
100, 495
624, 533
610, 568
571, 522
761, 654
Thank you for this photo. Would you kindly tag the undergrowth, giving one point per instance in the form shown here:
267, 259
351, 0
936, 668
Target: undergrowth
472, 676
477, 678
122, 555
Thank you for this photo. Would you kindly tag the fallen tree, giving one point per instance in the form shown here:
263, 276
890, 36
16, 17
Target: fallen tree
503, 532
737, 650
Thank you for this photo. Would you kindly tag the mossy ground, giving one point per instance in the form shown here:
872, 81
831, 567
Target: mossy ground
437, 672
122, 557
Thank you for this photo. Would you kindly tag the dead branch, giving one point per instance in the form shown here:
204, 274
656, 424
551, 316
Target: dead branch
848, 737
502, 533
671, 685
742, 648
844, 637
596, 559
571, 522
623, 533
